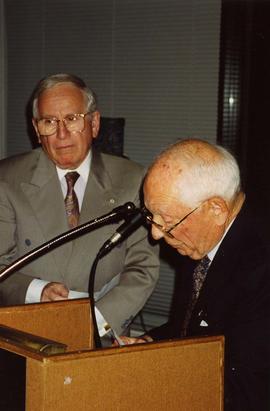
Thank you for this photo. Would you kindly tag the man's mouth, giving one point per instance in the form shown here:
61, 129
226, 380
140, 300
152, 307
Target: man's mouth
64, 147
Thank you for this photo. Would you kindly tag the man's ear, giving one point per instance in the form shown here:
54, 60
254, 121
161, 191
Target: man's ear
36, 130
95, 123
219, 209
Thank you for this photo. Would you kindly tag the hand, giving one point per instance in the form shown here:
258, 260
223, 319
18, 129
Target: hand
132, 340
54, 292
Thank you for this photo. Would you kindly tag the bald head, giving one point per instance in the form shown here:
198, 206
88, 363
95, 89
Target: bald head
194, 170
193, 192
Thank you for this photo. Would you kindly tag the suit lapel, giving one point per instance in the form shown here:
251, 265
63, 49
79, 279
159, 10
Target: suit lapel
100, 198
220, 279
221, 271
46, 199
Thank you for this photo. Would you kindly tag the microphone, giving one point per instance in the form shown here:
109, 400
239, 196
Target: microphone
117, 213
122, 232
126, 208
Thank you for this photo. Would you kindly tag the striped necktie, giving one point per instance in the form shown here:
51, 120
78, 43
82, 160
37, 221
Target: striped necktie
71, 200
199, 275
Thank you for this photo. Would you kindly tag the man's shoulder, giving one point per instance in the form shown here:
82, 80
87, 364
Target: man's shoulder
121, 165
18, 164
120, 161
250, 227
246, 244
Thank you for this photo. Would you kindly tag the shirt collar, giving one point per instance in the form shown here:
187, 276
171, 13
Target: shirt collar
214, 250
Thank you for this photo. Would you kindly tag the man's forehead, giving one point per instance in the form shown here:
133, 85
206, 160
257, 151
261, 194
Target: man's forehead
159, 191
62, 96
165, 175
169, 166
62, 91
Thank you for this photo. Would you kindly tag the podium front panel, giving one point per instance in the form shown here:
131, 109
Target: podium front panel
177, 375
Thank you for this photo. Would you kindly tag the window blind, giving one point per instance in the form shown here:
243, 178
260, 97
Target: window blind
153, 62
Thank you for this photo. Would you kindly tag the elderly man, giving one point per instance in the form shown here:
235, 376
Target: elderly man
64, 183
194, 201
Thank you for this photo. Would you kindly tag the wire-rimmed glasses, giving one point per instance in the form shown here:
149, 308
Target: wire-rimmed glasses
166, 231
74, 122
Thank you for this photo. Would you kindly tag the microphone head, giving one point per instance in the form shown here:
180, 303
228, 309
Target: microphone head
131, 224
130, 207
125, 209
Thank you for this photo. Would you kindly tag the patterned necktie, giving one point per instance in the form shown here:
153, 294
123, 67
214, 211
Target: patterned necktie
71, 200
199, 275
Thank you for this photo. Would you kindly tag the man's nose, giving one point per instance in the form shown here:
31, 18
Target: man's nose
62, 131
156, 233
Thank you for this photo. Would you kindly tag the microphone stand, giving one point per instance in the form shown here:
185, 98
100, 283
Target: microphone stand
126, 229
116, 214
97, 339
91, 285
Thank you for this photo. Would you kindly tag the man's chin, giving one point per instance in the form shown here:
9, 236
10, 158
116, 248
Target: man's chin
67, 162
189, 253
181, 251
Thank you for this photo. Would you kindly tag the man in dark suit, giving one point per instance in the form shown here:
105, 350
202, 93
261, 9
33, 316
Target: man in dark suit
33, 187
194, 201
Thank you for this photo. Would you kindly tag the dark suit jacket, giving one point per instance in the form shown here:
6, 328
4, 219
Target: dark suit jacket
32, 212
234, 302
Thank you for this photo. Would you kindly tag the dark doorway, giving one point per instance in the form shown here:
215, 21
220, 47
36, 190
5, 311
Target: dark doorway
244, 93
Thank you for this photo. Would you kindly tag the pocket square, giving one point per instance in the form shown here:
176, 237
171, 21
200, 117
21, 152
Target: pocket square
203, 324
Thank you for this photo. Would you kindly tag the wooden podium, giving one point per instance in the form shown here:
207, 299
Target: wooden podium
185, 375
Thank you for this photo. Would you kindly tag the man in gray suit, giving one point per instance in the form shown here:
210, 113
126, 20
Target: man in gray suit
32, 211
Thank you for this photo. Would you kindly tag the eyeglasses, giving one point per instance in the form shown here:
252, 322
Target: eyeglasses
165, 231
50, 125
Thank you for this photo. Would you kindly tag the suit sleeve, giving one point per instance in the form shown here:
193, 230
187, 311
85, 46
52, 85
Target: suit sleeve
137, 281
13, 288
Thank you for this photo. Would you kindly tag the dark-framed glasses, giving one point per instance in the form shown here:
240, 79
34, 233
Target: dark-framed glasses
74, 122
166, 231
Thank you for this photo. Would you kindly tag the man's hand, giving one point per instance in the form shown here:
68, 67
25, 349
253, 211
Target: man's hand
132, 340
54, 292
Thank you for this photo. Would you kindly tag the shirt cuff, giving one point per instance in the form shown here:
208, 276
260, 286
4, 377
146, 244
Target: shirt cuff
103, 327
102, 324
34, 291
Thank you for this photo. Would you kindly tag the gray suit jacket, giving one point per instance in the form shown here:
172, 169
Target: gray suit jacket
32, 212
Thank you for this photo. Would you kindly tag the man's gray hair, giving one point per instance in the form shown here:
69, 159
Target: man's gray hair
55, 79
209, 170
